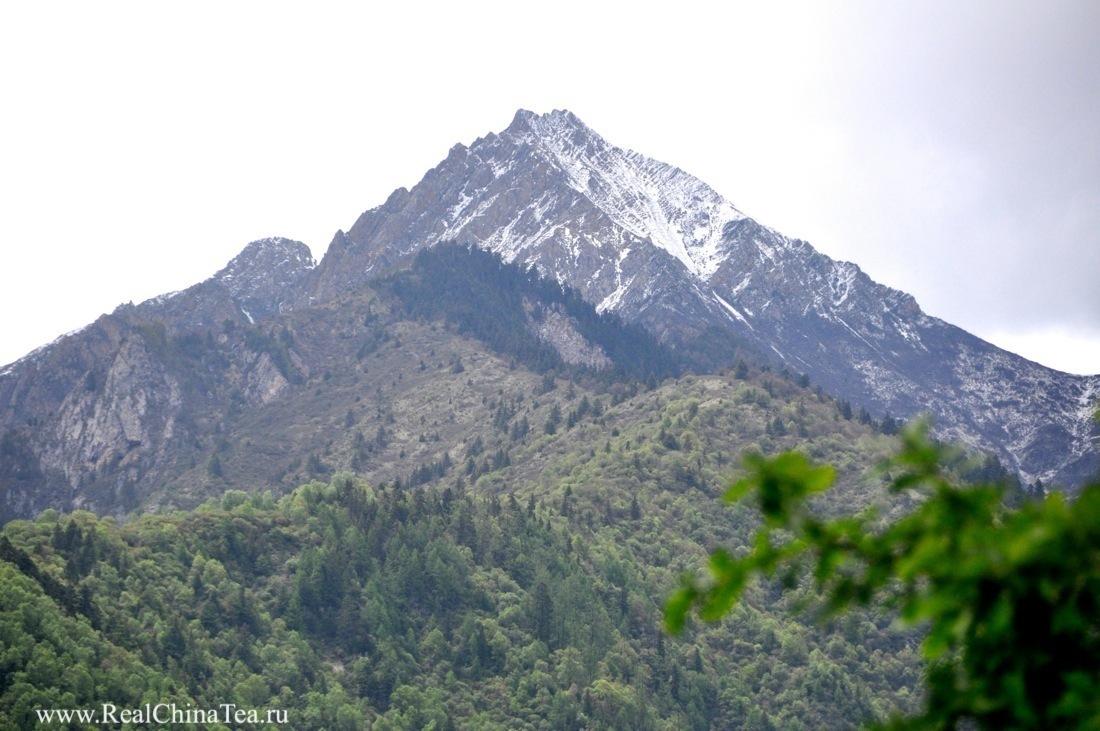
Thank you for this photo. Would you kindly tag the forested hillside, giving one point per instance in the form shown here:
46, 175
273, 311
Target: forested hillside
521, 589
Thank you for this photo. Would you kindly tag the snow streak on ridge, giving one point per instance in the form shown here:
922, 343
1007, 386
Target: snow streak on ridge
652, 200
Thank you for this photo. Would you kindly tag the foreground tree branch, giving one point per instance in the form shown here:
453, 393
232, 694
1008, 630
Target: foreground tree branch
1011, 597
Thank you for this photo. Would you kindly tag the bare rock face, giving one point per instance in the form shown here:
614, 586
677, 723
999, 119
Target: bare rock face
91, 418
264, 382
556, 328
119, 426
104, 426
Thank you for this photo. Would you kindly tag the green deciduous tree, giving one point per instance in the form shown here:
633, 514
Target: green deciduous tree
1010, 597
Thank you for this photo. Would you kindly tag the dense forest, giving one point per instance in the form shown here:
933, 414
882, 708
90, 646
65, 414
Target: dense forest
516, 592
344, 604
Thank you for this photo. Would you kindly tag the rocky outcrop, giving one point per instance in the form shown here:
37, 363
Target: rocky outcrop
97, 417
555, 327
102, 426
267, 277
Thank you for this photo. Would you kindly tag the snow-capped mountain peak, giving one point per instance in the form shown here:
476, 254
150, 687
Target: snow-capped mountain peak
652, 200
263, 278
659, 247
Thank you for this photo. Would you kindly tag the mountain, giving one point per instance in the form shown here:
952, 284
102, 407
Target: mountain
657, 246
259, 375
448, 475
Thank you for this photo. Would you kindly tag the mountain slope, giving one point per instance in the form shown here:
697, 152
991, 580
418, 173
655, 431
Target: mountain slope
659, 247
182, 397
94, 418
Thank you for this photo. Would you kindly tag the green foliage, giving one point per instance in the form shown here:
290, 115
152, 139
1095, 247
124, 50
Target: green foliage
524, 594
1010, 598
214, 467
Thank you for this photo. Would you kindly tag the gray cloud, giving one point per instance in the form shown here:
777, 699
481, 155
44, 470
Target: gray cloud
1003, 102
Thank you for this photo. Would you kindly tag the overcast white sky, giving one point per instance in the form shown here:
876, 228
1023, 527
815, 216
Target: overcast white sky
950, 149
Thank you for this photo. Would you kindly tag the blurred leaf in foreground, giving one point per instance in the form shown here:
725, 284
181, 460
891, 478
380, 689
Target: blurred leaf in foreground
1010, 598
